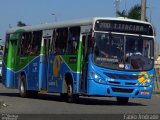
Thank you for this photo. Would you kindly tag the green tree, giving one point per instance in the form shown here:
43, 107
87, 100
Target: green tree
133, 13
20, 24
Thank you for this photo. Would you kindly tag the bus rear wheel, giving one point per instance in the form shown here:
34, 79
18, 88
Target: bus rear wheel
122, 100
22, 89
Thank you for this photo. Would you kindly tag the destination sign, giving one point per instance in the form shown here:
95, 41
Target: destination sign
123, 27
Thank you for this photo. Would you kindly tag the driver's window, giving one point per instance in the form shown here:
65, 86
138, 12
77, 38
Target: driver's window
133, 46
139, 52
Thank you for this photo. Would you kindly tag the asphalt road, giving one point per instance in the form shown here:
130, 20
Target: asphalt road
11, 102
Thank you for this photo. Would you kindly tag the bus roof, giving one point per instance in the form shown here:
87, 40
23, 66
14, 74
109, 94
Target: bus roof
71, 23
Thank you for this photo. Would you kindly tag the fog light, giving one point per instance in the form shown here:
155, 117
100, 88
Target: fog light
145, 92
108, 91
137, 92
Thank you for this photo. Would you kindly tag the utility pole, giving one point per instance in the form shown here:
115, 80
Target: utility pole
116, 5
143, 10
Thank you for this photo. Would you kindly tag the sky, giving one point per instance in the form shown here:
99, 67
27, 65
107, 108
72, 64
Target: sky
33, 12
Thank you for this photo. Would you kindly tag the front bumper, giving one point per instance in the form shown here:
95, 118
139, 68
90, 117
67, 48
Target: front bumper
97, 89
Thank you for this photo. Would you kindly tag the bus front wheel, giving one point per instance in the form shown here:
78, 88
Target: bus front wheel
122, 100
71, 97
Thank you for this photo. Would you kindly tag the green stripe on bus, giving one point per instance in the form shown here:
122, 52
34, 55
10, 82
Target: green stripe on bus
79, 56
75, 66
71, 65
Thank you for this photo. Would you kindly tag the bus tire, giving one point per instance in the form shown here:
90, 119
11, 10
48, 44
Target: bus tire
122, 100
71, 98
22, 87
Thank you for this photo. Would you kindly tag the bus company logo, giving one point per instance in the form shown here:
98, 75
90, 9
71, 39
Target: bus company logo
56, 65
143, 77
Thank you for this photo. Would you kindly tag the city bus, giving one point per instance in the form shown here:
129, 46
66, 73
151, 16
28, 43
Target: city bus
99, 56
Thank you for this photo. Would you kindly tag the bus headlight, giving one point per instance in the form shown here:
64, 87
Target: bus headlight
97, 78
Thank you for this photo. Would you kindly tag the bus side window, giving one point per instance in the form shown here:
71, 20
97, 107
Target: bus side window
56, 42
6, 45
21, 49
60, 41
36, 43
52, 42
73, 40
24, 43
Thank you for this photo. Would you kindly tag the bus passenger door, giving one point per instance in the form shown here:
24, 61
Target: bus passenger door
46, 59
84, 64
44, 67
13, 60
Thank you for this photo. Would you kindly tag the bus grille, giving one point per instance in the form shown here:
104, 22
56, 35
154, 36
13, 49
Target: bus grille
122, 77
122, 90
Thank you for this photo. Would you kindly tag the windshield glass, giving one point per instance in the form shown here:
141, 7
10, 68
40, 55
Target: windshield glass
123, 52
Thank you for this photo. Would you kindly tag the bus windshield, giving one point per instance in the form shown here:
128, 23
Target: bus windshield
123, 52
